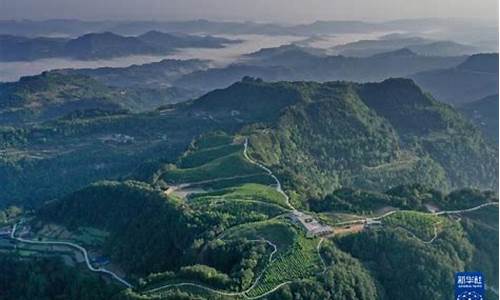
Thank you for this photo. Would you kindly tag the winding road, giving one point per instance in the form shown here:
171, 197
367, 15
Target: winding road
453, 212
221, 292
279, 189
270, 173
257, 280
439, 213
78, 247
275, 249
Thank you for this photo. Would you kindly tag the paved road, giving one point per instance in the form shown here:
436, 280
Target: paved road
270, 291
452, 212
78, 247
270, 173
244, 293
493, 289
193, 285
439, 213
221, 292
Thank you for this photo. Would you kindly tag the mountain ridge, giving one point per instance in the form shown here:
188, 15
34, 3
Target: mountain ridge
102, 45
475, 78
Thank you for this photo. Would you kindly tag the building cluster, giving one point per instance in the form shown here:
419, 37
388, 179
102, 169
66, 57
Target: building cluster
310, 224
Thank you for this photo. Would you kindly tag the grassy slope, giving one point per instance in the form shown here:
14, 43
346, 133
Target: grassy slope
248, 191
228, 166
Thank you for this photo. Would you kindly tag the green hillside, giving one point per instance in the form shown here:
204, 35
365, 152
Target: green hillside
30, 279
47, 161
374, 136
229, 233
129, 211
52, 95
317, 137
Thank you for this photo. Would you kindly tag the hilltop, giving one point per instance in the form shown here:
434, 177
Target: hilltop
373, 136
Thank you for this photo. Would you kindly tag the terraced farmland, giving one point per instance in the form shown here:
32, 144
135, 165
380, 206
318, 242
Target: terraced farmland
248, 191
301, 261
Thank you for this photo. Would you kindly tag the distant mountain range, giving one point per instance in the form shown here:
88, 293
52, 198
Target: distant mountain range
451, 79
104, 45
299, 63
418, 45
78, 27
152, 75
475, 78
148, 86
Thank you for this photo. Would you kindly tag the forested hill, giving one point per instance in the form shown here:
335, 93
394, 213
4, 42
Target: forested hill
209, 238
223, 182
317, 136
52, 95
146, 229
377, 135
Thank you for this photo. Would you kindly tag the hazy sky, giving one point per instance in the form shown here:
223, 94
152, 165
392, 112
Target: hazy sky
258, 10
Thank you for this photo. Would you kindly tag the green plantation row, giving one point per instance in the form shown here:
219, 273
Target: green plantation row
300, 261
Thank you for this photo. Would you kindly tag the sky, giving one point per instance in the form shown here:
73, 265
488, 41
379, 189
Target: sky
284, 11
